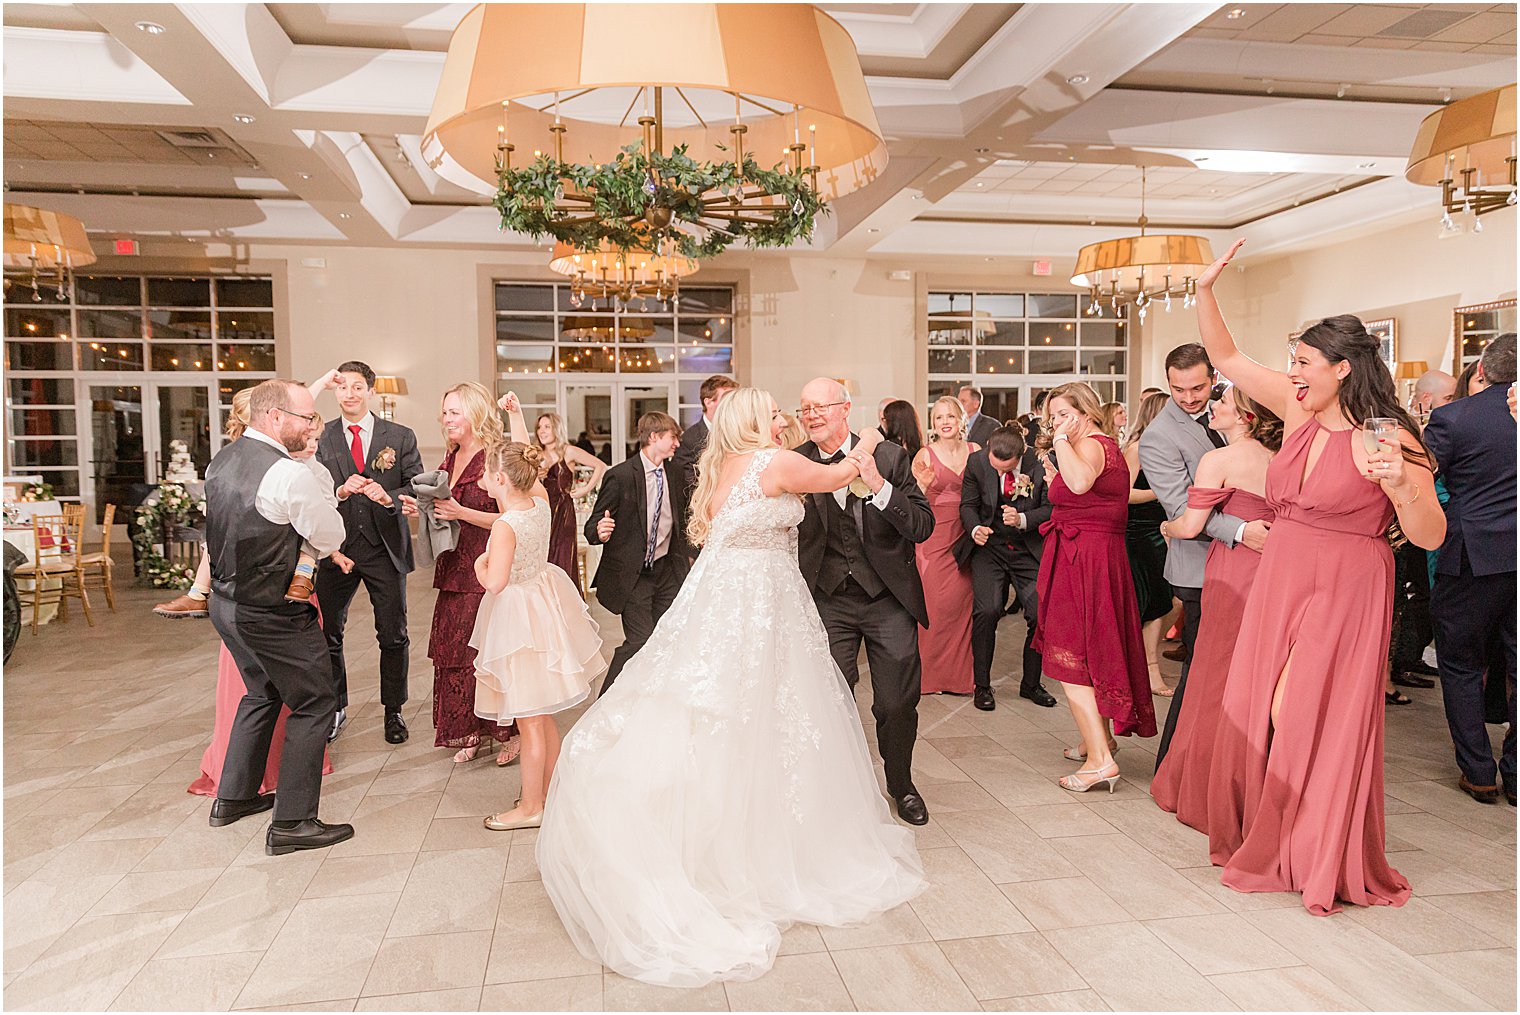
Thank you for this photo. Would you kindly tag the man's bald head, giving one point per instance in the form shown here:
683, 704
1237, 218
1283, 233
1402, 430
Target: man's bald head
1434, 389
826, 412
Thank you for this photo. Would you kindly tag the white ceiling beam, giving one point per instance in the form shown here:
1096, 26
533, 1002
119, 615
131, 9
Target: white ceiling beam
50, 65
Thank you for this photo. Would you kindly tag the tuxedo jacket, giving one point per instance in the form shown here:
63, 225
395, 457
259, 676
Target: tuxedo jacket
889, 534
623, 494
1473, 440
363, 519
984, 427
684, 461
982, 503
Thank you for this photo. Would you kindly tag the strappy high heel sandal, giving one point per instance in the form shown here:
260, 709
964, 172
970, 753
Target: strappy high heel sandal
467, 753
1158, 684
1074, 783
1079, 752
509, 753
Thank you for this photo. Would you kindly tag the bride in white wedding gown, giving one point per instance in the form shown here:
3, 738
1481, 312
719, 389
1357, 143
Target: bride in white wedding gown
722, 789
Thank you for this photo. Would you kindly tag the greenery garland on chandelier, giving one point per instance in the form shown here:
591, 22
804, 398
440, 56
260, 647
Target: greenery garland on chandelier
637, 196
156, 523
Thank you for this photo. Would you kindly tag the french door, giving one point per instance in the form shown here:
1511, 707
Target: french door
133, 420
605, 412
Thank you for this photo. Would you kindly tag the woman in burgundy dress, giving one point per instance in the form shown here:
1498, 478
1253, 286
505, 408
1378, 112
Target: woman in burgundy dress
562, 459
1232, 479
1089, 624
944, 647
1296, 792
470, 424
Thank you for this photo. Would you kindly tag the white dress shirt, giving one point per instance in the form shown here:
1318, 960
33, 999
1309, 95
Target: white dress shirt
667, 519
290, 494
366, 433
881, 498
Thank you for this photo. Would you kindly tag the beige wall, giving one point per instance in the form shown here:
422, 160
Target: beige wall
423, 314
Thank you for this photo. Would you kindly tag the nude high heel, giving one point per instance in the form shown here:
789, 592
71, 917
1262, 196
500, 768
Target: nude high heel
1079, 752
1075, 784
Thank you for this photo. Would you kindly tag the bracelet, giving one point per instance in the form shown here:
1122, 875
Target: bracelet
1401, 504
1060, 437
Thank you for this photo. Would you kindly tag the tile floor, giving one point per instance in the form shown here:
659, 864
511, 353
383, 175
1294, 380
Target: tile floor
119, 896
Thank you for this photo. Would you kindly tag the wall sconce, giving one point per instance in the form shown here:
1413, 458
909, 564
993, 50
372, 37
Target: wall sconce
388, 388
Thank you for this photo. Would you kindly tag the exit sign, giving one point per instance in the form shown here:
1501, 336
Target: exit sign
126, 247
1042, 267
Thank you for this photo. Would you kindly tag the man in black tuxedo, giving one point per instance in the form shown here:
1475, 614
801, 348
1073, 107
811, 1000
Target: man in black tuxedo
1003, 504
372, 462
639, 519
1473, 603
856, 555
694, 437
978, 427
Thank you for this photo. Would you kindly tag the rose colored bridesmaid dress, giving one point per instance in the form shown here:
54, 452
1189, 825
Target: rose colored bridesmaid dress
1089, 626
1297, 806
1181, 784
944, 647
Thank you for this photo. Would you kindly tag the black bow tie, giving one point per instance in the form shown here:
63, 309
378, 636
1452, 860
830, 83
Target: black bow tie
837, 456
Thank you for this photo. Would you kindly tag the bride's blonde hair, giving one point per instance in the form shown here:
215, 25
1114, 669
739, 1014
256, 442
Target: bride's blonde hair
741, 424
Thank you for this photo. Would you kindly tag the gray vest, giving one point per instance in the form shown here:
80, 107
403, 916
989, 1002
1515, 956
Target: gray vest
252, 558
843, 554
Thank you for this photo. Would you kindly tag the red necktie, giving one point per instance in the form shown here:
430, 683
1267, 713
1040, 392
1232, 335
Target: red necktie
1007, 484
357, 448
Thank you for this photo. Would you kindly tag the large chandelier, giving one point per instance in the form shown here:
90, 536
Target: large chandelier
45, 241
621, 106
1468, 150
620, 277
1141, 270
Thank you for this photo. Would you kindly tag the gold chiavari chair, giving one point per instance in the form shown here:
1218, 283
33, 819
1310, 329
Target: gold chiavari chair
57, 546
96, 567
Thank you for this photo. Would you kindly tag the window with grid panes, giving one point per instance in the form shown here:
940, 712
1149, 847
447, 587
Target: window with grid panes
175, 330
542, 339
1015, 345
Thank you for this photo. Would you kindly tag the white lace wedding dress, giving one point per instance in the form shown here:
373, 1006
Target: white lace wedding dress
722, 789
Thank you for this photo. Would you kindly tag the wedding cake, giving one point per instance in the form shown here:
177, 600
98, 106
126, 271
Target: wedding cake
180, 468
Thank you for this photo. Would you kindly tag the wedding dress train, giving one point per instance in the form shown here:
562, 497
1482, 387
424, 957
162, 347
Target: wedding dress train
722, 789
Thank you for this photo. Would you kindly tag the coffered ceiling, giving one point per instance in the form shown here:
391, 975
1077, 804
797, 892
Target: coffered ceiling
1013, 128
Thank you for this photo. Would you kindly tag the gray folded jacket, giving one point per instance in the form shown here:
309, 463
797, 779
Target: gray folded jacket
434, 535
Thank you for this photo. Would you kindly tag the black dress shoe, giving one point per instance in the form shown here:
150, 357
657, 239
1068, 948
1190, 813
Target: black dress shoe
1421, 667
1411, 680
308, 834
1039, 696
910, 807
983, 699
1509, 796
1176, 655
340, 720
395, 728
1482, 794
225, 812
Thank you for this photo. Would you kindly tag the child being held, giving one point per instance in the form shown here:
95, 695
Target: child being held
302, 582
537, 648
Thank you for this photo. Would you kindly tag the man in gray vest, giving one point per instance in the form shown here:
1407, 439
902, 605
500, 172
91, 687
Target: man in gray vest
1169, 452
260, 504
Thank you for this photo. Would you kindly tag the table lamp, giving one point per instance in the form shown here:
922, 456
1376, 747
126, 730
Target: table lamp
388, 387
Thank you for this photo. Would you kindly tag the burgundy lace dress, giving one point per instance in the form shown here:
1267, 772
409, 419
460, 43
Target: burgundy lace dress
458, 602
1089, 627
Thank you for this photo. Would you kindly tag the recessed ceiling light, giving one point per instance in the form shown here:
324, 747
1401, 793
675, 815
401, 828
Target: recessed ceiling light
979, 183
1365, 165
344, 215
873, 230
151, 27
1078, 79
304, 176
242, 117
1236, 13
981, 151
989, 258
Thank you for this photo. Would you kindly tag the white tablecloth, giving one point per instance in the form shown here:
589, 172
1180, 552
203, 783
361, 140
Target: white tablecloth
26, 510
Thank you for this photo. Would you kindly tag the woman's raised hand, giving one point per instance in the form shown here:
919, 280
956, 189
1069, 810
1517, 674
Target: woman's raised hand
1213, 271
508, 403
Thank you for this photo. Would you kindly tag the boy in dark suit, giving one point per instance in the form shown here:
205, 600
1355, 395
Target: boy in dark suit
372, 461
1003, 504
639, 518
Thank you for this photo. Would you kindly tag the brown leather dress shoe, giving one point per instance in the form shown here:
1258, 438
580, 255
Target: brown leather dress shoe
300, 589
1176, 655
183, 608
1482, 794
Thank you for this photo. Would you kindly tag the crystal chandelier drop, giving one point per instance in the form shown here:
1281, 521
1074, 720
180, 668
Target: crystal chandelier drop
1141, 270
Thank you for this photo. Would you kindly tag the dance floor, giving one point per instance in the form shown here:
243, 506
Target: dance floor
119, 896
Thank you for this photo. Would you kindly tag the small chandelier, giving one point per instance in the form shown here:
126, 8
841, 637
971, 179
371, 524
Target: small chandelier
1141, 270
603, 329
45, 241
621, 277
620, 104
1468, 150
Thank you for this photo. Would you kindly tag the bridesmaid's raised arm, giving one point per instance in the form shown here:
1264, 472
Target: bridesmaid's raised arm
1269, 387
509, 404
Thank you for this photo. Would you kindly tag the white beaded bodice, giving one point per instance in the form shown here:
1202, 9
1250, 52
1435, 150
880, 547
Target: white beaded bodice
750, 520
532, 528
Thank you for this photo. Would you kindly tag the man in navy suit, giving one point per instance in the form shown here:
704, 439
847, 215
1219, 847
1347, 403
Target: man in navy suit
1473, 603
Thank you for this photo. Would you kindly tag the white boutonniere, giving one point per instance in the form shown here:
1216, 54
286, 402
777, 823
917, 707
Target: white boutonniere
1023, 486
858, 488
386, 459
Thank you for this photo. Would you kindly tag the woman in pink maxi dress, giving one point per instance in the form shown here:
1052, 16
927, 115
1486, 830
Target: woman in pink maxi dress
944, 647
1296, 793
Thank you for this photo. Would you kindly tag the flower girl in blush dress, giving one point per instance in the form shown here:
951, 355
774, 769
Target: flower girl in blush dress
536, 647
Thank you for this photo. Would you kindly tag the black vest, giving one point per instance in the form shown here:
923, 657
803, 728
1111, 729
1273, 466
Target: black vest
843, 554
252, 558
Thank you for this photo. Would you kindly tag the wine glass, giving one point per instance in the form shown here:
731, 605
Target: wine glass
1375, 429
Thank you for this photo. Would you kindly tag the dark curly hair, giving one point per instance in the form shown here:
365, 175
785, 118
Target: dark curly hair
1368, 389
